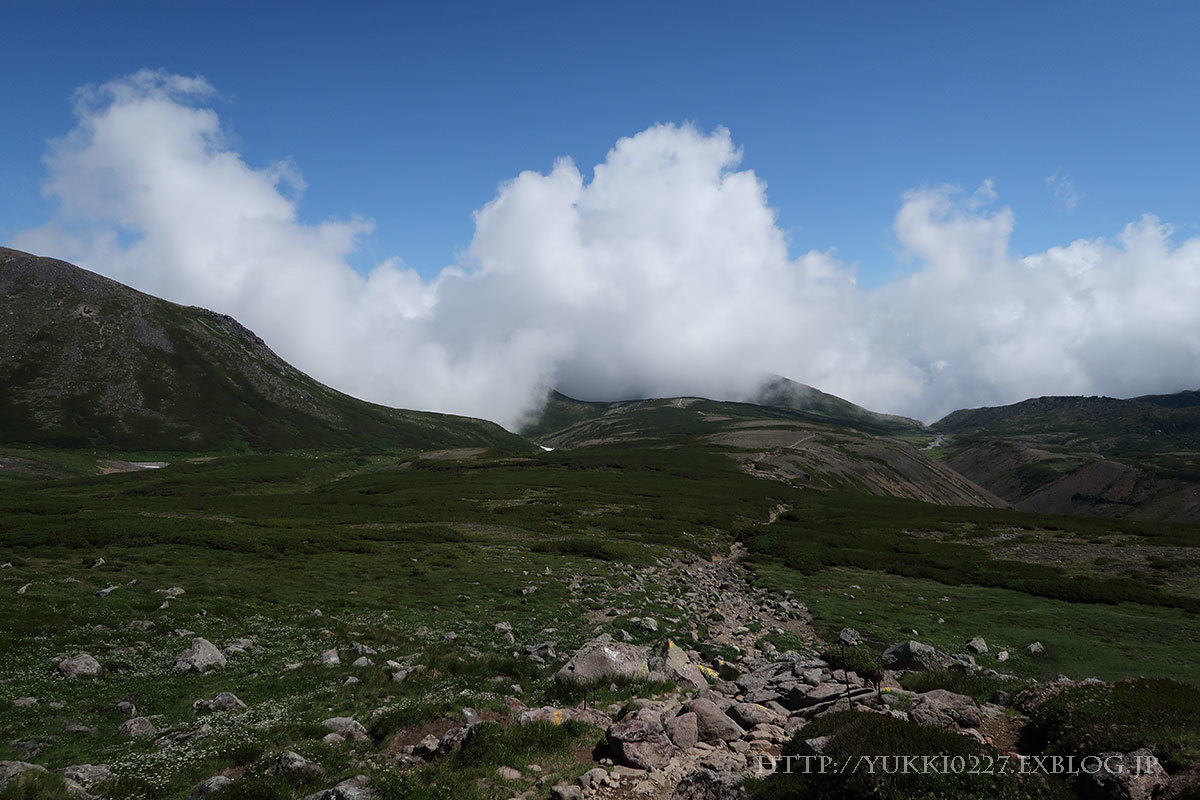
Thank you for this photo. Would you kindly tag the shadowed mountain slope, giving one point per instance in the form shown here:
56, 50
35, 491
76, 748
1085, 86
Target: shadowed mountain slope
88, 362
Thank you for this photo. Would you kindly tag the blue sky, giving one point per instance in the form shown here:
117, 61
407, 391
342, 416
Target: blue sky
413, 114
1067, 261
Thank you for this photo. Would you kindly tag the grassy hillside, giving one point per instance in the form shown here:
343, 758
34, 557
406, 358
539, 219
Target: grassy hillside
86, 362
1085, 455
776, 443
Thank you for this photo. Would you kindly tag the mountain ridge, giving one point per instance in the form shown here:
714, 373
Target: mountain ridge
86, 361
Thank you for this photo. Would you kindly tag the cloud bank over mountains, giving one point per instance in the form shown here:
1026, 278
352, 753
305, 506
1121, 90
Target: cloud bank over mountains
665, 274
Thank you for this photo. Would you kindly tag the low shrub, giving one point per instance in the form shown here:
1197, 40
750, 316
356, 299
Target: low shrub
1158, 713
861, 740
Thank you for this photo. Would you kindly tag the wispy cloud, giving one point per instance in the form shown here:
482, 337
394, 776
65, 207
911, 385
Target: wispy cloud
1063, 189
664, 274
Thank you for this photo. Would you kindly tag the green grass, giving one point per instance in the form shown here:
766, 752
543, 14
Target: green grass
1081, 639
975, 685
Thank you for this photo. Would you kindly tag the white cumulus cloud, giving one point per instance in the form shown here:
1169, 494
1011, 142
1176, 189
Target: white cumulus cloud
664, 274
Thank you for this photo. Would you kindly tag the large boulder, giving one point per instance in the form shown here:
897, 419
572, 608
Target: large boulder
939, 708
712, 725
914, 655
82, 664
639, 740
708, 785
673, 662
603, 660
202, 656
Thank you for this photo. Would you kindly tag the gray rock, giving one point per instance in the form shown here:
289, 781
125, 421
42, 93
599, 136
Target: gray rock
712, 725
127, 709
9, 770
82, 664
805, 696
750, 714
202, 656
25, 702
977, 645
348, 727
328, 659
942, 709
352, 789
225, 701
427, 748
605, 661
1002, 655
639, 740
683, 730
469, 717
138, 726
564, 792
451, 740
209, 786
291, 763
106, 591
508, 773
1035, 649
705, 784
238, 646
913, 655
593, 778
86, 774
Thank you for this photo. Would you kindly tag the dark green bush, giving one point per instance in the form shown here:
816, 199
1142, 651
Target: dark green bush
1158, 713
974, 684
856, 735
